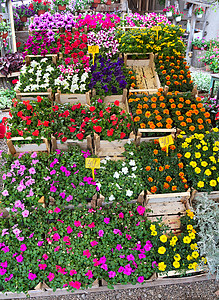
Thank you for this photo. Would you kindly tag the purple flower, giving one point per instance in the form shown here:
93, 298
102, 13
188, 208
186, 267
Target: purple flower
53, 189
112, 274
2, 271
101, 233
5, 193
105, 267
31, 276
52, 172
5, 249
121, 269
19, 258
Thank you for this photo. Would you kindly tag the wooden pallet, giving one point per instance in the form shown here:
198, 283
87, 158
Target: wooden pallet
15, 150
169, 207
73, 98
33, 96
86, 144
53, 56
114, 149
140, 139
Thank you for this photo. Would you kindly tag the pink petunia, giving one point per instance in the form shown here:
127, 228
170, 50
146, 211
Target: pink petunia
57, 210
101, 233
19, 258
140, 210
140, 279
107, 220
51, 276
56, 236
86, 253
76, 285
42, 266
32, 276
45, 256
121, 215
77, 223
112, 274
92, 225
69, 229
89, 274
23, 248
72, 272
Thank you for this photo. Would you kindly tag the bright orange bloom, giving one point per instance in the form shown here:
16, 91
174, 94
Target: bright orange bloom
166, 185
181, 99
145, 106
172, 70
178, 113
138, 111
174, 188
189, 113
183, 124
193, 106
208, 121
169, 120
180, 165
182, 72
160, 61
168, 126
156, 112
150, 179
179, 155
158, 118
181, 174
200, 121
184, 81
169, 93
176, 82
162, 67
164, 72
167, 167
161, 98
175, 76
180, 105
152, 126
176, 93
168, 77
180, 118
136, 119
181, 77
161, 169
168, 178
173, 105
145, 99
207, 114
177, 67
156, 142
186, 67
200, 105
133, 77
139, 106
188, 101
142, 125
198, 99
155, 160
172, 64
202, 109
155, 151
153, 189
200, 127
147, 114
171, 100
172, 147
166, 111
162, 104
189, 120
168, 83
153, 105
148, 168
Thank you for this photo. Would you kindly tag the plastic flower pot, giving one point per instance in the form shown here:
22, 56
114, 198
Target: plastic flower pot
199, 16
108, 2
62, 7
169, 14
40, 12
196, 48
2, 131
178, 19
97, 1
23, 19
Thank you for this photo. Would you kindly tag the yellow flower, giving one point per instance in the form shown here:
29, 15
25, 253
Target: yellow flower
197, 154
192, 235
212, 158
201, 136
213, 168
205, 148
162, 266
208, 172
186, 240
190, 213
198, 146
197, 170
189, 257
176, 264
215, 129
194, 265
161, 250
163, 238
215, 149
200, 184
187, 155
195, 254
188, 140
193, 163
177, 257
152, 227
175, 238
213, 182
204, 164
190, 266
204, 259
193, 246
189, 227
154, 232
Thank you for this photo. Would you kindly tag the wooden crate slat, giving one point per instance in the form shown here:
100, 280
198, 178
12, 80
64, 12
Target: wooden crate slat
165, 208
73, 98
172, 221
85, 144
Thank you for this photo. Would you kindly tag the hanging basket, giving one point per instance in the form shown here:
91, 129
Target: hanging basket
40, 12
94, 5
169, 14
178, 19
23, 19
62, 7
199, 16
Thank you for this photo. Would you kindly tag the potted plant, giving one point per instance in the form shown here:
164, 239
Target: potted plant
199, 44
199, 11
4, 29
40, 6
95, 3
169, 10
177, 16
61, 4
24, 12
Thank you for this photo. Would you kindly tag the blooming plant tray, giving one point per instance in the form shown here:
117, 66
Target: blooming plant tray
169, 207
33, 96
15, 150
73, 98
85, 144
53, 56
114, 149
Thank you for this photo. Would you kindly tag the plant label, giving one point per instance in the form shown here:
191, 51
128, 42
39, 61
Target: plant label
156, 28
166, 141
93, 50
92, 163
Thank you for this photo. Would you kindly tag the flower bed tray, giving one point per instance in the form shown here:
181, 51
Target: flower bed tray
174, 273
169, 207
114, 149
53, 56
84, 145
73, 98
140, 139
32, 96
15, 150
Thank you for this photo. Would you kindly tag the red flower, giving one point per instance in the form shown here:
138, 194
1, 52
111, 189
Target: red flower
19, 114
55, 108
39, 99
81, 53
46, 123
128, 125
10, 114
15, 81
122, 135
72, 120
108, 109
8, 135
116, 102
217, 116
92, 108
39, 123
74, 55
66, 113
64, 139
97, 128
28, 122
72, 129
82, 46
80, 136
78, 105
35, 133
110, 132
29, 107
101, 113
20, 132
83, 111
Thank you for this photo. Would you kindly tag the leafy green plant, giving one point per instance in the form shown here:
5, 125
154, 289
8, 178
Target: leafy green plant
5, 97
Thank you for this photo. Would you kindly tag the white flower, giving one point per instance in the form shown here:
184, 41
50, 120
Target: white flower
125, 170
49, 69
107, 158
103, 161
44, 60
116, 175
131, 153
99, 185
133, 175
33, 63
74, 87
111, 198
129, 141
132, 162
129, 193
123, 164
31, 70
118, 186
134, 169
83, 87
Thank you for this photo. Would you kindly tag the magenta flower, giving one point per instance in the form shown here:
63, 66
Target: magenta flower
154, 264
42, 266
140, 210
141, 256
34, 155
32, 170
57, 210
69, 229
51, 276
52, 172
148, 246
140, 279
2, 271
93, 243
56, 237
121, 269
121, 215
130, 257
89, 274
128, 236
69, 198
62, 195
40, 243
32, 276
128, 270
53, 189
112, 274
8, 278
92, 225
119, 247
122, 256
86, 253
101, 233
76, 285
45, 256
17, 203
4, 264
5, 193
107, 220
72, 272
19, 258
57, 249
23, 248
77, 223
105, 267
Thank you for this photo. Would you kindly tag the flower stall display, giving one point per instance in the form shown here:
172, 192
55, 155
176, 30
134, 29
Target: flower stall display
199, 11
211, 60
40, 6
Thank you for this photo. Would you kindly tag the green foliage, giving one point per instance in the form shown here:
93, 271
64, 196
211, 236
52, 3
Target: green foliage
5, 97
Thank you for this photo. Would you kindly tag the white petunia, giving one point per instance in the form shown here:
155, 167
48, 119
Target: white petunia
133, 175
129, 193
118, 186
49, 69
131, 153
44, 60
103, 161
107, 158
116, 175
132, 162
111, 198
33, 63
125, 170
31, 70
134, 169
123, 164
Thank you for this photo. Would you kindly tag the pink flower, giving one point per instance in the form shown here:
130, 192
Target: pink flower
57, 210
107, 220
128, 236
56, 236
42, 266
66, 239
93, 243
31, 276
140, 279
101, 233
4, 264
23, 248
25, 213
77, 223
121, 215
112, 274
69, 229
19, 258
50, 211
130, 257
119, 247
40, 243
154, 263
2, 271
8, 278
86, 253
140, 210
141, 256
51, 276
72, 272
56, 249
105, 267
92, 225
89, 274
75, 285
45, 256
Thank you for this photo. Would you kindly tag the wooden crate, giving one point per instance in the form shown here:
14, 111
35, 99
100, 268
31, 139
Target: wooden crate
169, 207
53, 56
114, 149
33, 147
139, 139
73, 98
175, 273
212, 195
86, 144
33, 96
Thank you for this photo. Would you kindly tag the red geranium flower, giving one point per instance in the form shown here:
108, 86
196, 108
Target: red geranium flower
39, 99
110, 132
116, 102
35, 133
46, 123
122, 135
92, 108
97, 128
64, 139
80, 136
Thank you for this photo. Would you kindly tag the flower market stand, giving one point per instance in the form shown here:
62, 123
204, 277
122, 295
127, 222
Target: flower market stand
73, 98
53, 56
84, 144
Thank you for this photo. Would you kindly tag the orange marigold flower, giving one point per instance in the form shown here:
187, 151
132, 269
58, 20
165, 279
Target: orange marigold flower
200, 121
208, 121
164, 72
172, 147
186, 186
169, 94
162, 104
168, 77
189, 120
169, 120
189, 113
174, 188
181, 174
147, 114
152, 126
200, 105
158, 94
172, 71
186, 67
177, 67
150, 179
182, 72
167, 167
176, 93
161, 168
200, 127
168, 178
181, 77
145, 99
153, 189
172, 57
139, 106
195, 111
168, 83
202, 109
180, 118
193, 106
184, 81
171, 100
178, 113
155, 160
160, 57
148, 168
184, 180
172, 64
153, 99
180, 165
133, 85
180, 105
160, 90
168, 126
161, 98
198, 99
145, 106
176, 82
175, 76
181, 99
136, 119
160, 61
162, 67
166, 185
156, 112
179, 155
185, 63
188, 101
153, 105
130, 72
155, 151
156, 142
142, 125
207, 114
173, 105
183, 124
138, 111
166, 111
133, 77
158, 117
